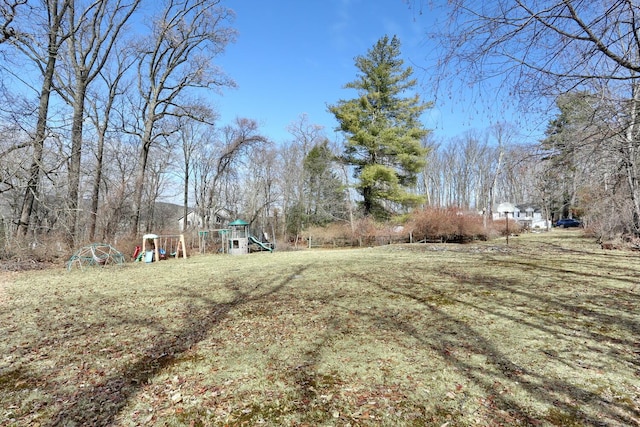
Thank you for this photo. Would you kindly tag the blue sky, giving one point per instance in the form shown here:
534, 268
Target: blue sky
293, 57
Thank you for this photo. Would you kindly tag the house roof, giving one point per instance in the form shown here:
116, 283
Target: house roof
524, 206
221, 212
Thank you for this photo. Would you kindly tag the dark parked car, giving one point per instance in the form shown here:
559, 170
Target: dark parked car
568, 222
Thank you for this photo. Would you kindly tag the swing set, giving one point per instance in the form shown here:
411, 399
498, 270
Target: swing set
156, 248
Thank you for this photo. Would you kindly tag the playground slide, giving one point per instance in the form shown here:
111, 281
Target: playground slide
259, 243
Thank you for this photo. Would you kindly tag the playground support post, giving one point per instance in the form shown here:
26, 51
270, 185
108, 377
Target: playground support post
156, 243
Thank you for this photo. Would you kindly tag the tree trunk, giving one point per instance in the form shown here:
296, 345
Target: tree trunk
31, 191
75, 160
95, 189
631, 161
139, 184
367, 203
185, 207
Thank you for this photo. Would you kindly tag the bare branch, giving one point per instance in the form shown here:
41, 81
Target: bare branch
8, 11
541, 47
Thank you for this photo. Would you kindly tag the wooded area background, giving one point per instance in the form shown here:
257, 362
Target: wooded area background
102, 120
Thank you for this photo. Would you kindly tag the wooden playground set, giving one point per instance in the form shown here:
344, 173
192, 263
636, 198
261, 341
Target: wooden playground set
160, 247
234, 240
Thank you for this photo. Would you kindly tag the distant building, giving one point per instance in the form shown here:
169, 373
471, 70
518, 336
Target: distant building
219, 219
527, 216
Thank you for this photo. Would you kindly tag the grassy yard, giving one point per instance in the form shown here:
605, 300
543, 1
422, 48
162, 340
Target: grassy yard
545, 331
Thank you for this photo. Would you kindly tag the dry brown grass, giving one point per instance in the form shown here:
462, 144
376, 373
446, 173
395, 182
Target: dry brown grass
541, 332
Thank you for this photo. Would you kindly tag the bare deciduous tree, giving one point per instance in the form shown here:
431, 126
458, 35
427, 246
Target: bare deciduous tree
502, 132
102, 103
8, 10
260, 190
115, 213
550, 47
237, 141
540, 47
186, 36
94, 31
43, 50
192, 136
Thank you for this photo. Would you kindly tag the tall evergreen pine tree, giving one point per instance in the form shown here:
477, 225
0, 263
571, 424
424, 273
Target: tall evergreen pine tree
383, 130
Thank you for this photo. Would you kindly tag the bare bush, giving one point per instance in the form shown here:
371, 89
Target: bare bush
446, 225
47, 249
127, 245
336, 235
608, 217
500, 227
365, 232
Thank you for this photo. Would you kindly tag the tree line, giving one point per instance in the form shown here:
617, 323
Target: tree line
104, 114
580, 57
90, 86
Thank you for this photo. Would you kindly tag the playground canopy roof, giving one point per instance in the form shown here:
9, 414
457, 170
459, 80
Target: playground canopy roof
238, 222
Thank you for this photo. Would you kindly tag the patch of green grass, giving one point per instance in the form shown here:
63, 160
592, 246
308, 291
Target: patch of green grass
571, 418
478, 334
14, 379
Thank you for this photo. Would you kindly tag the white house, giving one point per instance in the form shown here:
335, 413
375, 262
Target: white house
219, 219
527, 216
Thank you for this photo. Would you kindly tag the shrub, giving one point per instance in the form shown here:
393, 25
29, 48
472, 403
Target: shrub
335, 234
48, 248
363, 232
500, 226
446, 225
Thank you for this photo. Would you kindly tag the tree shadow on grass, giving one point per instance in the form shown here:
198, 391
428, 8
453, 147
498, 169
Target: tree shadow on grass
99, 404
566, 399
310, 383
588, 269
615, 309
